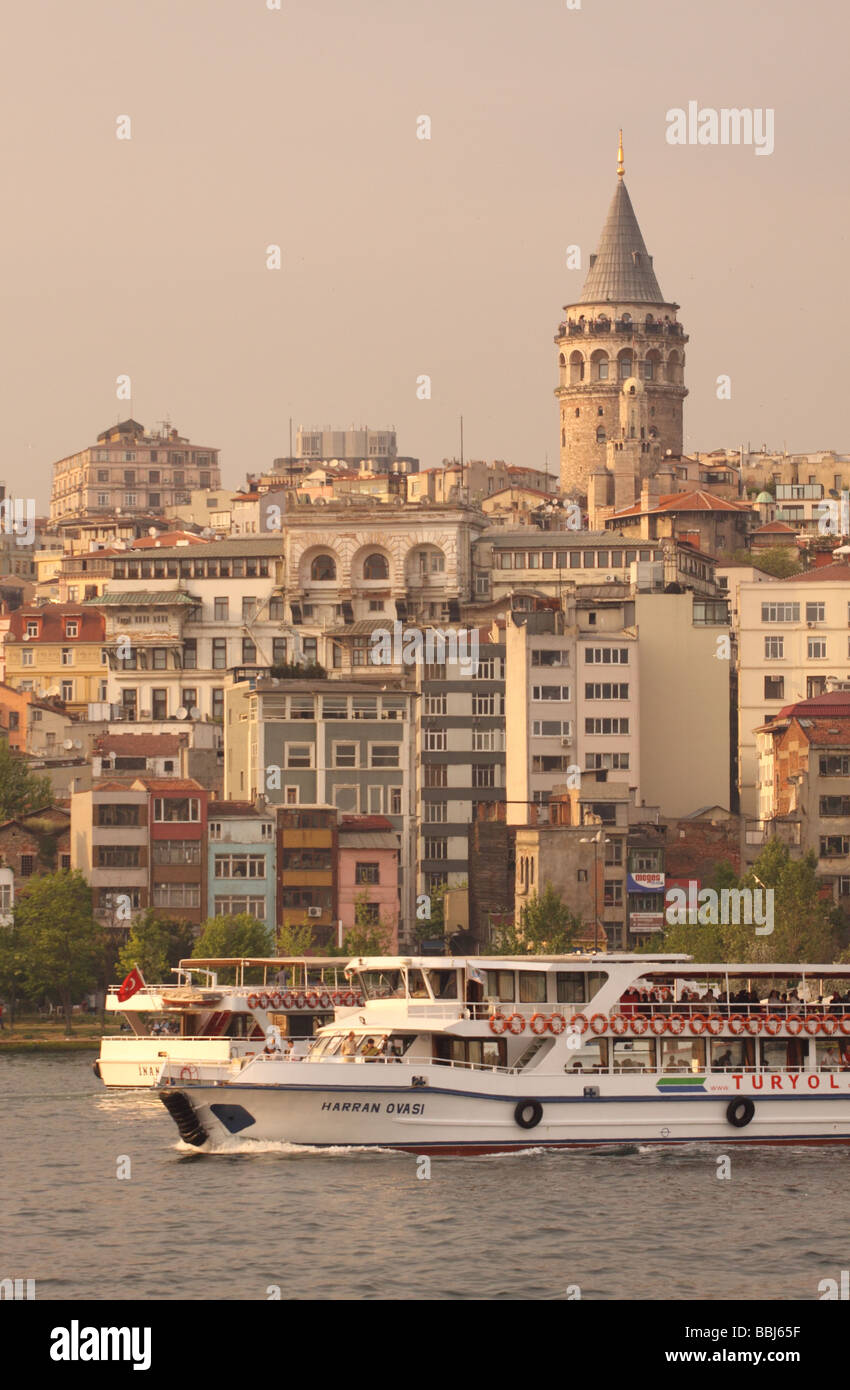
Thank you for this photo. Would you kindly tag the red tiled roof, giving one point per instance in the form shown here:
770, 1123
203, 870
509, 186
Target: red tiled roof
236, 808
167, 538
838, 572
168, 784
365, 823
775, 526
141, 745
835, 704
696, 501
92, 624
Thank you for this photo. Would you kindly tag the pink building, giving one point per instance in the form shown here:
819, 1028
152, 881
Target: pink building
368, 864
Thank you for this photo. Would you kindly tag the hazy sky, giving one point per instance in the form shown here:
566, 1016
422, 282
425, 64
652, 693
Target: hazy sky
402, 256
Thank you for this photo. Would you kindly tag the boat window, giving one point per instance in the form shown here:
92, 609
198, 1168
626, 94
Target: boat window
416, 986
382, 984
593, 1056
532, 987
634, 1054
501, 986
326, 1047
728, 1054
682, 1054
570, 987
479, 1052
595, 980
443, 983
833, 1054
483, 1052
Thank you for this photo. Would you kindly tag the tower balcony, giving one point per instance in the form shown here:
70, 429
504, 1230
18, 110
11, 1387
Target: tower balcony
574, 328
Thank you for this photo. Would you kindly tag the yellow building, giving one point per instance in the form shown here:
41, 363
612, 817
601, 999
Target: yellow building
58, 649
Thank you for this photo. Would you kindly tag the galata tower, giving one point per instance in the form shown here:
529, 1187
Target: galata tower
621, 330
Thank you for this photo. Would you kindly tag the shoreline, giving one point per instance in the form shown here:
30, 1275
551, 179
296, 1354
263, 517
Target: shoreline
49, 1045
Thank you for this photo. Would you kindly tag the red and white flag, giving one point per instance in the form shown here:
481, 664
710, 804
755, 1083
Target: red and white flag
133, 983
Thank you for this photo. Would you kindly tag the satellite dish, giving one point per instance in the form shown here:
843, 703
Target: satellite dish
194, 713
152, 531
25, 637
182, 713
78, 743
67, 744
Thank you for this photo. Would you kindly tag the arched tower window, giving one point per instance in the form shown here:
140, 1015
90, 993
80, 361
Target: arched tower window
674, 368
599, 366
625, 363
576, 368
601, 435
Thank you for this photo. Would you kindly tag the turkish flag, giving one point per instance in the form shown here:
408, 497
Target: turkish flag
131, 985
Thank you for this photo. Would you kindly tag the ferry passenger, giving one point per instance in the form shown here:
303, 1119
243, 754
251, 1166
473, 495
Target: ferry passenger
369, 1050
725, 1059
709, 999
288, 1050
349, 1048
272, 1047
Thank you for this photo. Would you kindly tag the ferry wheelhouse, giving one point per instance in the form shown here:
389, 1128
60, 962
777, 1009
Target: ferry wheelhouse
201, 1020
483, 1055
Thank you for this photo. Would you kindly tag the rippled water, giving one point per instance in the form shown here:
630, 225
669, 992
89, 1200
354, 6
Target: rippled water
640, 1224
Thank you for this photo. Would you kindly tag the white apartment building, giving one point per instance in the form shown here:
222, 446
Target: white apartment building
793, 635
180, 622
131, 469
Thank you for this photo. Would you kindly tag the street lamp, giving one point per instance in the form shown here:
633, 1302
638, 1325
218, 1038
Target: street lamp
595, 840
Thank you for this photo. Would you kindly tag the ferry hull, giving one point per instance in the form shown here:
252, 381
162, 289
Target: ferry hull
137, 1062
437, 1119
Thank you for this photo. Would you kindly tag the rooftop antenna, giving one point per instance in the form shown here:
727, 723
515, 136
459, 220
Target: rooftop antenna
461, 458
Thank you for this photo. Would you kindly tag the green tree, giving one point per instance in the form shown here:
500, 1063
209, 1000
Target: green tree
781, 561
366, 937
295, 940
20, 789
546, 927
155, 944
236, 935
12, 969
61, 944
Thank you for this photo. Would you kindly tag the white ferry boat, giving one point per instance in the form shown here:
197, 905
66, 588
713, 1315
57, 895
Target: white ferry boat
475, 1056
200, 1020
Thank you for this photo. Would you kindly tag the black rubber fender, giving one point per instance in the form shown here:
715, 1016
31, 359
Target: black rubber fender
528, 1113
739, 1112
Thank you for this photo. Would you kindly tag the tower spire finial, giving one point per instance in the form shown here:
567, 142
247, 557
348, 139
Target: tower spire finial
621, 168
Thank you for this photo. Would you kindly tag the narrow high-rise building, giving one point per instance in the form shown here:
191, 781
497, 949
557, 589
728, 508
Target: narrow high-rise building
621, 353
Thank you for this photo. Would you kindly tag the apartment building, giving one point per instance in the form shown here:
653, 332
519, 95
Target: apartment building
181, 620
582, 853
307, 854
368, 855
130, 469
59, 650
142, 844
33, 844
804, 783
340, 744
242, 860
460, 755
793, 635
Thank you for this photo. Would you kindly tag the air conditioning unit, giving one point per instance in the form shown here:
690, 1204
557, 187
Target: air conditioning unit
567, 741
314, 912
144, 714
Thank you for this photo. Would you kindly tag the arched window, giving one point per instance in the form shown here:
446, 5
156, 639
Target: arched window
600, 435
376, 567
578, 412
599, 366
323, 568
624, 365
563, 439
576, 368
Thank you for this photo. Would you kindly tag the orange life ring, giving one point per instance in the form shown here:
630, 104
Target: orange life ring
578, 1024
274, 1000
498, 1024
253, 1001
598, 1024
676, 1025
324, 1001
639, 1024
699, 1023
832, 1021
812, 1024
188, 1073
335, 997
618, 1024
753, 1024
347, 1001
796, 1020
264, 1001
737, 1024
286, 1001
772, 1025
516, 1024
557, 1024
539, 1023
714, 1024
311, 999
844, 1025
658, 1024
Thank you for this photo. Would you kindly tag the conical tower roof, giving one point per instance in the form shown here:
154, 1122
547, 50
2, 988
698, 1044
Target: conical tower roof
621, 270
